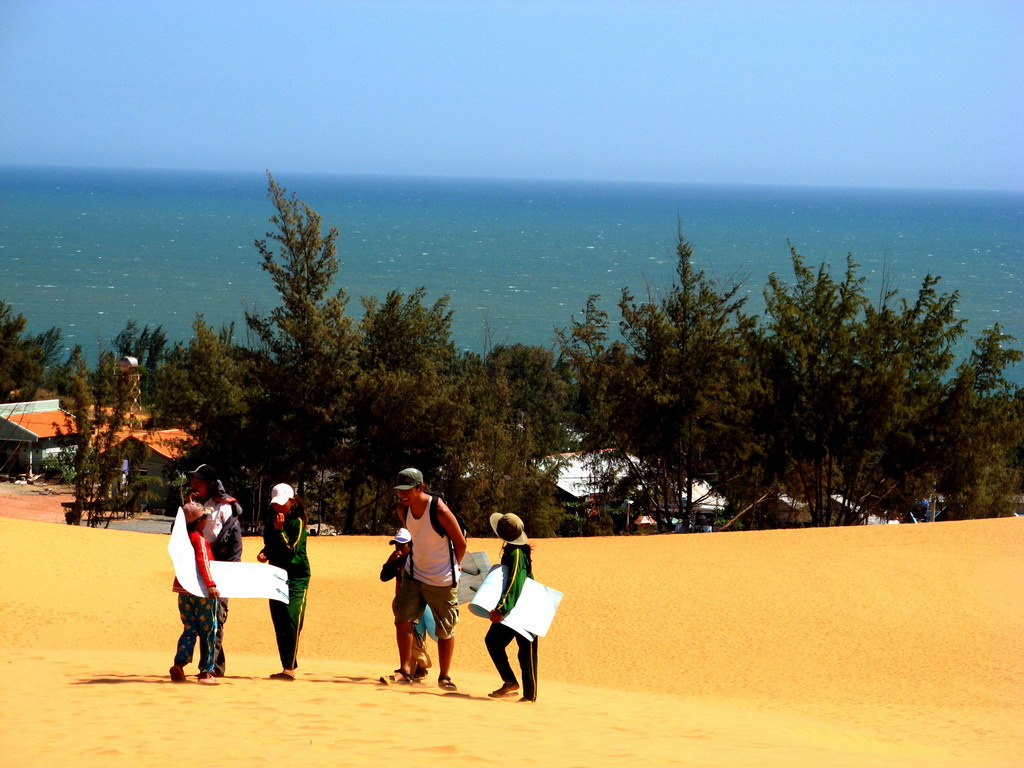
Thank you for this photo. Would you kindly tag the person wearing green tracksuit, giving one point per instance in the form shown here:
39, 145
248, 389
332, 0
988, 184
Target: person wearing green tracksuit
284, 545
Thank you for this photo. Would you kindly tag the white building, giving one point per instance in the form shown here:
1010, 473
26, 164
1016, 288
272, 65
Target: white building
29, 432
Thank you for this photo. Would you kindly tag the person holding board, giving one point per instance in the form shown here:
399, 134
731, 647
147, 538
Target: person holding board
198, 614
517, 559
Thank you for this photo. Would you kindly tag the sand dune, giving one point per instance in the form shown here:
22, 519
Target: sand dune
880, 646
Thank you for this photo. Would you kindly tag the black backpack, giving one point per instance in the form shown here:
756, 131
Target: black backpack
438, 529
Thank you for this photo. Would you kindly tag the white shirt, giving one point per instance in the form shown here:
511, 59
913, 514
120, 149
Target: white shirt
430, 556
220, 513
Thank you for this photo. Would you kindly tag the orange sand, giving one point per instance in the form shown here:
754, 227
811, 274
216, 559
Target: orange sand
859, 647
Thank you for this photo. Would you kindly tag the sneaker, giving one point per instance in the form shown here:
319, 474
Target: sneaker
177, 674
507, 689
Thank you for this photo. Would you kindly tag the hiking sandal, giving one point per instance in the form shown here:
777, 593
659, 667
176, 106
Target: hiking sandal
400, 676
446, 683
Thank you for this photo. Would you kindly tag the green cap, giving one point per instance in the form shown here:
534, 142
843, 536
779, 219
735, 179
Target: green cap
409, 479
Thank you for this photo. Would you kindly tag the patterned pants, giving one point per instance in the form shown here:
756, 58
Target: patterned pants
219, 662
199, 621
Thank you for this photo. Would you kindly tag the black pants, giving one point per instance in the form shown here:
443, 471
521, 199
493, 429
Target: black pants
497, 639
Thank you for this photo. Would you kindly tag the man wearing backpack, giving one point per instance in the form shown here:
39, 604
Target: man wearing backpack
431, 573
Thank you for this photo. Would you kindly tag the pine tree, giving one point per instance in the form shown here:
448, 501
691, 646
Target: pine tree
101, 402
304, 361
405, 409
671, 393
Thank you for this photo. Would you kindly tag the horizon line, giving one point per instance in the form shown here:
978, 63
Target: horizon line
507, 179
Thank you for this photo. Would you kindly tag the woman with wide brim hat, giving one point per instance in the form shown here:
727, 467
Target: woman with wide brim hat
517, 561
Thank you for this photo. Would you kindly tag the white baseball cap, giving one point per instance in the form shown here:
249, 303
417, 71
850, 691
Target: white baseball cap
281, 493
402, 537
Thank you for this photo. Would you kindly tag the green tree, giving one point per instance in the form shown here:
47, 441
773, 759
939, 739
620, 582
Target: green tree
671, 394
540, 392
100, 402
25, 360
56, 374
202, 387
982, 426
517, 418
811, 337
304, 361
405, 408
899, 382
866, 421
148, 347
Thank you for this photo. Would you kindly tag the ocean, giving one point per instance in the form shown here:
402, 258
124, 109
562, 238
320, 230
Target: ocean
87, 250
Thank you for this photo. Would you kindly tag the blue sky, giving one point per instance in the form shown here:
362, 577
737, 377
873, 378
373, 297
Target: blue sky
811, 92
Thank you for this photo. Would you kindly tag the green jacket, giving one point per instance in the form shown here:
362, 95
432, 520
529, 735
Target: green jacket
286, 548
517, 561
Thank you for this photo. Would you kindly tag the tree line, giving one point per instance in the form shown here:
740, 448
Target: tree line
842, 405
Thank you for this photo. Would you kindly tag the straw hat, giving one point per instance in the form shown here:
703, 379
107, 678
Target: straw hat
509, 527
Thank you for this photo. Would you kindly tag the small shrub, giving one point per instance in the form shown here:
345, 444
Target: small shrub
61, 464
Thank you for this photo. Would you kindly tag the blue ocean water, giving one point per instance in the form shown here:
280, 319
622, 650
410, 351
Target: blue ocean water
86, 250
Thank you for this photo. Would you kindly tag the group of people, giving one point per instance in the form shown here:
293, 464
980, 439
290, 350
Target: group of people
428, 550
213, 525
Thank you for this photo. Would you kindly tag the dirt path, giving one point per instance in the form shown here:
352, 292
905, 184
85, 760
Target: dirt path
34, 502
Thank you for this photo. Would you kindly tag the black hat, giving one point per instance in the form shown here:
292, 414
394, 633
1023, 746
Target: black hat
204, 472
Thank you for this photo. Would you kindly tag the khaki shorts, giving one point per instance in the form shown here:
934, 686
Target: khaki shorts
443, 601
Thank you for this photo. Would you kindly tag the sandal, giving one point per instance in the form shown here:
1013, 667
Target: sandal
400, 676
446, 683
207, 678
177, 674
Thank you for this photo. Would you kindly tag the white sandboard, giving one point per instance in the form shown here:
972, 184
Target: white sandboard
475, 566
232, 579
533, 611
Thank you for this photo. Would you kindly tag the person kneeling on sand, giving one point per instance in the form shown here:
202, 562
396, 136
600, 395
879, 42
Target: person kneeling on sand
516, 557
198, 614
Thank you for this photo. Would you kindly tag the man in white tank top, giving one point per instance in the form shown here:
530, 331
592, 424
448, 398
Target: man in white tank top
430, 578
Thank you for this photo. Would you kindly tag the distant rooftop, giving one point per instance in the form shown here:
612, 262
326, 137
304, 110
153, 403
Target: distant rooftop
28, 422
